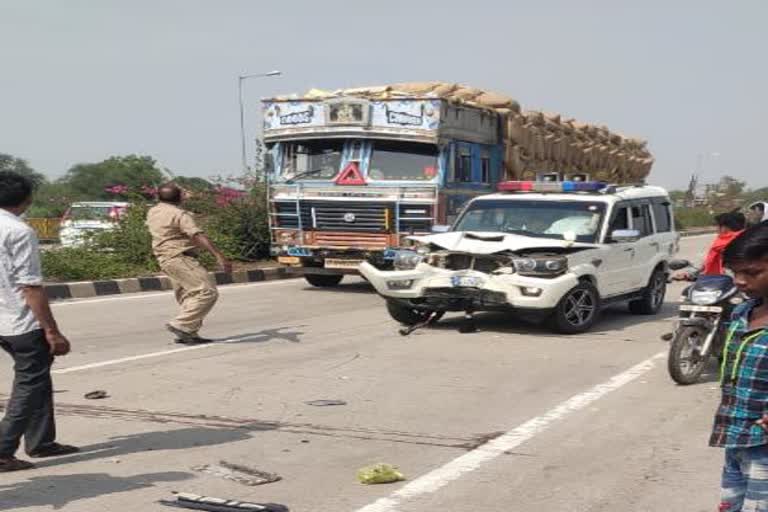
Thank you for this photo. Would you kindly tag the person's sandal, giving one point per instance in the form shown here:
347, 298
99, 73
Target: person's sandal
54, 450
13, 464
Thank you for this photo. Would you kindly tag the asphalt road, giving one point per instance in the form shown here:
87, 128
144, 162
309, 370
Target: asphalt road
510, 418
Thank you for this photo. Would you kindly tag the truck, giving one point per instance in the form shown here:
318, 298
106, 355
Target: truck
356, 172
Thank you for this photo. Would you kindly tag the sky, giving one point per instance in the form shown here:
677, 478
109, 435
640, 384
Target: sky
83, 80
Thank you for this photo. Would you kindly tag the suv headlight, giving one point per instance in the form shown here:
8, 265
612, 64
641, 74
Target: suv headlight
542, 266
705, 297
407, 260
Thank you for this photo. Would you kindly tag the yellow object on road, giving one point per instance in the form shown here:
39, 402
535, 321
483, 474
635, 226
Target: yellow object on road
379, 474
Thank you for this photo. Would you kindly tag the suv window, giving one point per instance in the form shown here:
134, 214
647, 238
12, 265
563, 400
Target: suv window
662, 217
641, 219
620, 219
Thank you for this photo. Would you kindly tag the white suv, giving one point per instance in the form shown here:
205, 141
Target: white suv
557, 256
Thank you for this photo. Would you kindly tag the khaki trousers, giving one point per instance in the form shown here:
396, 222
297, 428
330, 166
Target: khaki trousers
195, 292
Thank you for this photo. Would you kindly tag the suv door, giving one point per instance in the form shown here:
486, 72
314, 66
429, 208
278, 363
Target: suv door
618, 258
647, 247
663, 221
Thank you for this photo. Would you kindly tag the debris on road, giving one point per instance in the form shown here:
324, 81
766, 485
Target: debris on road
325, 403
96, 395
237, 473
195, 502
379, 474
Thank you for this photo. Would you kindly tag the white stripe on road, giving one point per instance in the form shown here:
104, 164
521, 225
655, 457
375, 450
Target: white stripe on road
131, 358
455, 469
164, 293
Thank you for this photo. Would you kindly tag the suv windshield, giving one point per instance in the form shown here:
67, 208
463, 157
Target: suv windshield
393, 160
92, 212
319, 159
535, 218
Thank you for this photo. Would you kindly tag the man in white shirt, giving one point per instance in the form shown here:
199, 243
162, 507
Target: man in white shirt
28, 333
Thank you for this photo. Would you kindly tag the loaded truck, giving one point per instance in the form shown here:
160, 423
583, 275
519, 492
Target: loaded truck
357, 171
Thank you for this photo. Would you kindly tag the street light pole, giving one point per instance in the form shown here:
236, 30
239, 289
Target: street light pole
242, 111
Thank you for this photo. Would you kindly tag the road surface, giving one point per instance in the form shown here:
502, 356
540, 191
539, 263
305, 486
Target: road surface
510, 418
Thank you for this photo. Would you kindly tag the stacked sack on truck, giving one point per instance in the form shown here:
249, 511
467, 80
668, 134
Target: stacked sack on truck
533, 141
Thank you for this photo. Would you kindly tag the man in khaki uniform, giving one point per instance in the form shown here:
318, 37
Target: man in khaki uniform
175, 241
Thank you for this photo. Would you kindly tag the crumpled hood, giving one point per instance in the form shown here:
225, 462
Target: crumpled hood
491, 242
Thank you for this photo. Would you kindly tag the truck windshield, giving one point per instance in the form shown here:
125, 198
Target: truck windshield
316, 159
393, 160
545, 219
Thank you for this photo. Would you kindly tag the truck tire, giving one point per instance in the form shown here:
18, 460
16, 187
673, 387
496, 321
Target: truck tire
577, 311
653, 295
323, 280
405, 315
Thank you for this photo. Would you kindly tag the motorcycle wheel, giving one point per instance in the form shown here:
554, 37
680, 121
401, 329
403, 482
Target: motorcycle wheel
685, 362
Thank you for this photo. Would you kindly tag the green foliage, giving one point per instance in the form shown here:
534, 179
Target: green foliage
85, 264
20, 166
130, 242
686, 218
52, 200
89, 181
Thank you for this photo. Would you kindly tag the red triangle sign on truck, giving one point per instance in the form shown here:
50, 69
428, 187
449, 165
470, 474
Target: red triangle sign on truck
350, 175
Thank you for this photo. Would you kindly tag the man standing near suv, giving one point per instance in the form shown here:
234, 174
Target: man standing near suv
28, 333
175, 240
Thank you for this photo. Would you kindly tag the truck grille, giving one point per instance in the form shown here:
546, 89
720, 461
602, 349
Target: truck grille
369, 241
362, 216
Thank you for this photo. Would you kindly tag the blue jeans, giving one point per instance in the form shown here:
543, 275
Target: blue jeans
745, 480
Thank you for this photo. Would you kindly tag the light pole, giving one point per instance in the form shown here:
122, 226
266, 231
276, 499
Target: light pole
242, 110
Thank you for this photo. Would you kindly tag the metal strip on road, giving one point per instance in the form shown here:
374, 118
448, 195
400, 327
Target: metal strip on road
460, 466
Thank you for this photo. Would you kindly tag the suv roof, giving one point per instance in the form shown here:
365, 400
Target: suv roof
620, 193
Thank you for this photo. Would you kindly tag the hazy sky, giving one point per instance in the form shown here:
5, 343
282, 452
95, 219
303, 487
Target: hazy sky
82, 80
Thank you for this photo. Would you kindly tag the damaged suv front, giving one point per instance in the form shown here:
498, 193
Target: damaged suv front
523, 254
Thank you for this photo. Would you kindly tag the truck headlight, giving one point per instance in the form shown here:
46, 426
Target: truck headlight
407, 260
541, 266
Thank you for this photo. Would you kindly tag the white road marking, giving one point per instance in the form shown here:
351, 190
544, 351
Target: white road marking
131, 358
165, 293
455, 469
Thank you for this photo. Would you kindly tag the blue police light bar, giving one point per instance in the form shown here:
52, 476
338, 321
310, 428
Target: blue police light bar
551, 186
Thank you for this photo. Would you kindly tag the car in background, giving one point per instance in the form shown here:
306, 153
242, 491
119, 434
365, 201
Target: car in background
88, 217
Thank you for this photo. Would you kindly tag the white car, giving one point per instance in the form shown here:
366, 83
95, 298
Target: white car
557, 256
89, 217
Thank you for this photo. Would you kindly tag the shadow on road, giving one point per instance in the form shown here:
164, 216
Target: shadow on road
58, 491
353, 287
266, 335
181, 439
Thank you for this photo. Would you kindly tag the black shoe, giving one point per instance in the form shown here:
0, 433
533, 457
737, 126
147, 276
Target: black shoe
54, 450
181, 336
195, 340
8, 464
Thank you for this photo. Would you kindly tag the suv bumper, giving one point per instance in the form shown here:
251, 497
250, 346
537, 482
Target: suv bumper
440, 289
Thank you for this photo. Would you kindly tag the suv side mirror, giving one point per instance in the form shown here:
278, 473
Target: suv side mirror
625, 236
440, 228
679, 264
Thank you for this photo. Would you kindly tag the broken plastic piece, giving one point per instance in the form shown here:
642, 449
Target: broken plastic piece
196, 502
96, 395
379, 474
325, 403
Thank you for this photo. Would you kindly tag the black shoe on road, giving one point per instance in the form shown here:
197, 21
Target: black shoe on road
8, 464
54, 450
182, 336
195, 340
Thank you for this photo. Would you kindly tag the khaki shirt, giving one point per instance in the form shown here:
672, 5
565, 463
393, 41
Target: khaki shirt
172, 230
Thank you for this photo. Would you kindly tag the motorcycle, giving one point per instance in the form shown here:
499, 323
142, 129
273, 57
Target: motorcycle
702, 325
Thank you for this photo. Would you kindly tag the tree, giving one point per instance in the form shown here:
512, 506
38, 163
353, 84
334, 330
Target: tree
20, 166
90, 181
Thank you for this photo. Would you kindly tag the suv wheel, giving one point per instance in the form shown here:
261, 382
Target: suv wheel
653, 295
577, 310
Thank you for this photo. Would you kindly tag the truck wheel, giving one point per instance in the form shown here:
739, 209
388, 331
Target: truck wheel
405, 315
653, 295
323, 280
577, 310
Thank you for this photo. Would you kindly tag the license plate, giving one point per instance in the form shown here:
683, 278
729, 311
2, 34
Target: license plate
701, 309
289, 260
466, 282
335, 263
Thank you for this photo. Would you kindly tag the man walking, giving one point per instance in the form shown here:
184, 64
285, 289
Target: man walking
28, 333
175, 241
